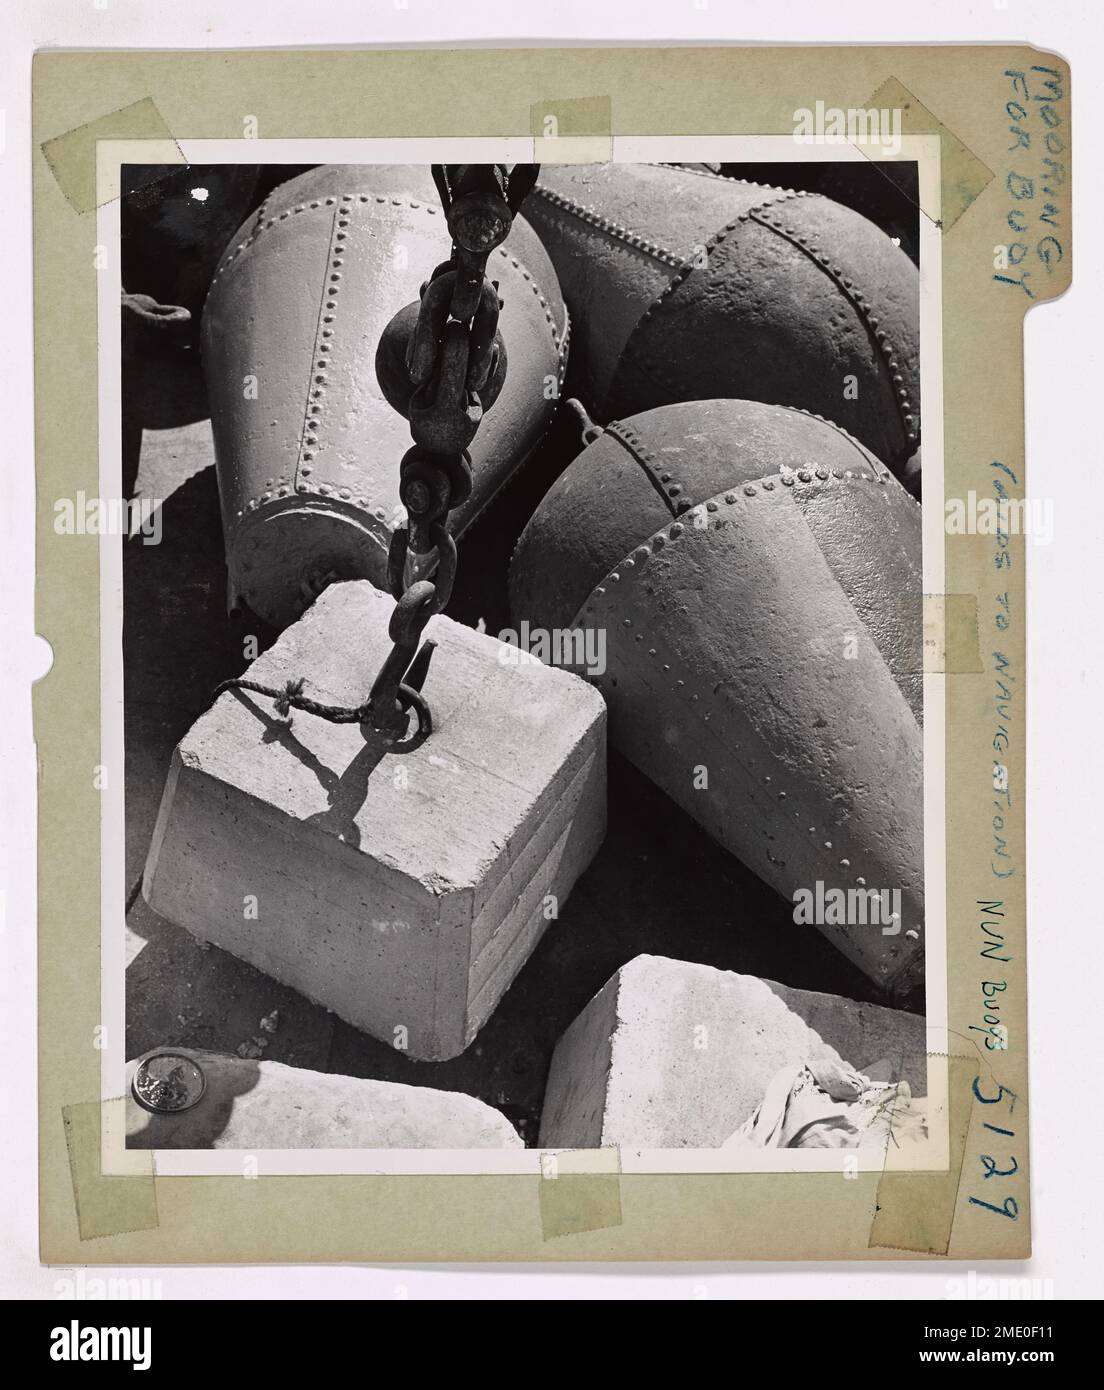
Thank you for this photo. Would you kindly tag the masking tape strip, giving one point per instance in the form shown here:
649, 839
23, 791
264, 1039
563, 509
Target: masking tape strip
106, 1206
915, 1210
580, 1190
948, 625
962, 175
72, 156
577, 130
951, 634
950, 643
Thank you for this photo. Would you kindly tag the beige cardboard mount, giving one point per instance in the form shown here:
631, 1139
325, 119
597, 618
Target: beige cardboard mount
1000, 206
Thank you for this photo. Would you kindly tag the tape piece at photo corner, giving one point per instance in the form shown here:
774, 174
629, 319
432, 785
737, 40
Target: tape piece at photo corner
962, 175
580, 1190
915, 1210
107, 1205
144, 139
578, 130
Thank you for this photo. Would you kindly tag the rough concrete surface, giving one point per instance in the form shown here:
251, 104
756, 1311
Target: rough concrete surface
266, 1105
402, 887
672, 1054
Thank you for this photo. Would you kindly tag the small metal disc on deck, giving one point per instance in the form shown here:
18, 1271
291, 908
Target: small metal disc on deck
168, 1083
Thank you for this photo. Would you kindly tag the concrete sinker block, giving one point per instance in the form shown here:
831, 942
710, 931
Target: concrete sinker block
402, 888
671, 1054
266, 1105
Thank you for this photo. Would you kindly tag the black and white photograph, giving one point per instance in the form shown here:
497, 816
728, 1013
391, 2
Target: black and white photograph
517, 625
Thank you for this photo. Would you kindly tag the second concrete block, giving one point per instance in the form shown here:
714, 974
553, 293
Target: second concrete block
670, 1054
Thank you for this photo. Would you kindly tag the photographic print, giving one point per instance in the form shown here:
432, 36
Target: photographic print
543, 625
699, 620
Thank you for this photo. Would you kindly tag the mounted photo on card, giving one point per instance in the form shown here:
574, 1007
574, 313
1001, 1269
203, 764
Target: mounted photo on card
554, 603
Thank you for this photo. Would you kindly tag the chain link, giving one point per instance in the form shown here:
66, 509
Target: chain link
440, 363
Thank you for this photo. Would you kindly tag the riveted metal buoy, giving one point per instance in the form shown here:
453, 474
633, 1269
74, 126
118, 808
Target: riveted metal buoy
685, 285
755, 576
306, 437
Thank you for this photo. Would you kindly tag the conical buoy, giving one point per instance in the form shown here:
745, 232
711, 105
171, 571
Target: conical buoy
755, 577
307, 446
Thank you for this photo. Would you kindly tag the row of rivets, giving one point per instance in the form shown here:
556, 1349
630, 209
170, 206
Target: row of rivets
382, 199
907, 419
607, 225
824, 420
560, 344
262, 223
643, 455
323, 345
686, 268
587, 614
748, 183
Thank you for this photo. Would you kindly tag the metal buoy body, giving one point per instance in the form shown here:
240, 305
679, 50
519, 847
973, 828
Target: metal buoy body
684, 285
305, 441
886, 192
756, 574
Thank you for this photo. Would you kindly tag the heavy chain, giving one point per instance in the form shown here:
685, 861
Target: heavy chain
440, 363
